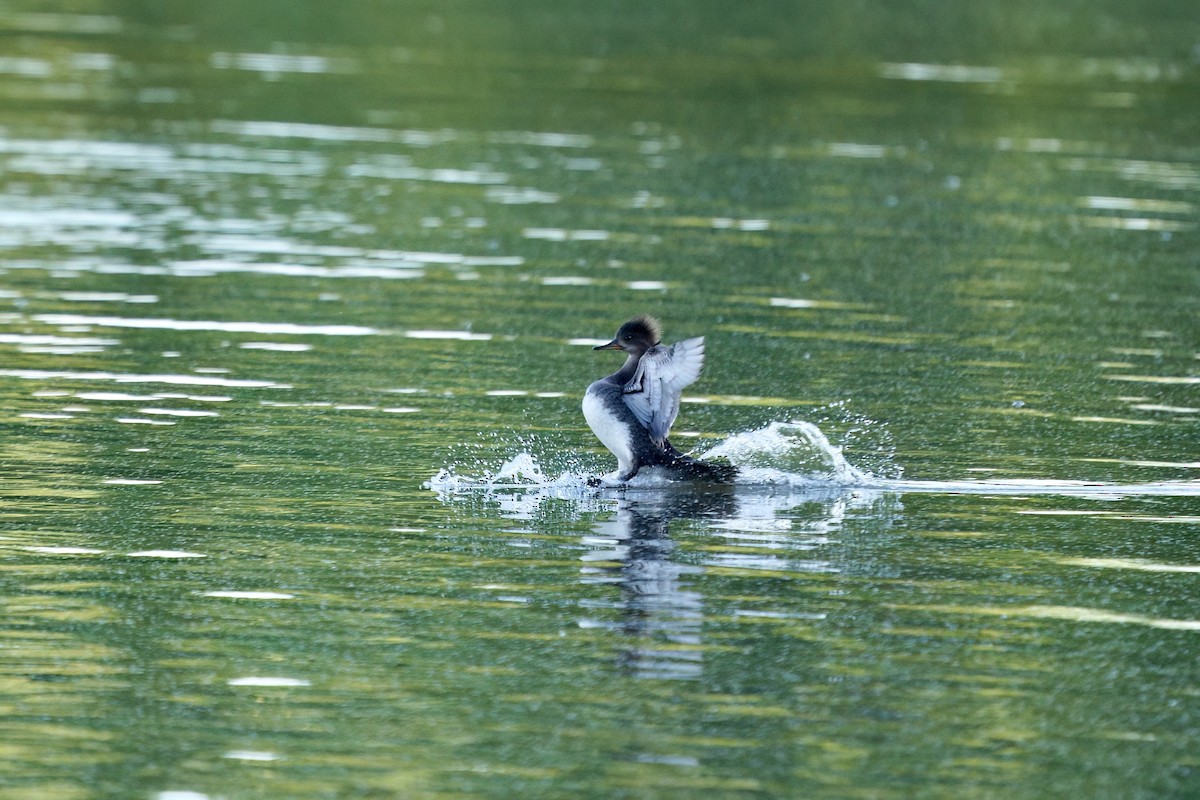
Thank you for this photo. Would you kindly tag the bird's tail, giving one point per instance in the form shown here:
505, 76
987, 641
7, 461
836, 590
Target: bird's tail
693, 469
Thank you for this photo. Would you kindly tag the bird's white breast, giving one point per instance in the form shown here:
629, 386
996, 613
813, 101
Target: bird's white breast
608, 429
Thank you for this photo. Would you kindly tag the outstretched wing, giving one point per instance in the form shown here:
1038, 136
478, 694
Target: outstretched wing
662, 374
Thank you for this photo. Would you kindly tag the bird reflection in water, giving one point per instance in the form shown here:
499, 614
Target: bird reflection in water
661, 613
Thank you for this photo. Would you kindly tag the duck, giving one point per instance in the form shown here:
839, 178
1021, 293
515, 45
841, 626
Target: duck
632, 410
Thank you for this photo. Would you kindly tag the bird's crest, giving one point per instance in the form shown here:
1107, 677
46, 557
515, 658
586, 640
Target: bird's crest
647, 325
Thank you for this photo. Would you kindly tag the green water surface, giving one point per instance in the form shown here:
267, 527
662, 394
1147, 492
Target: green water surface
266, 268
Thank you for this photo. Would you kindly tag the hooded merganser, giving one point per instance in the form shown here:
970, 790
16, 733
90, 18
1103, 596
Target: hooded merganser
632, 410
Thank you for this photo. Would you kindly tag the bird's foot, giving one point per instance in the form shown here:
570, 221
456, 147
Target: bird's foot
611, 480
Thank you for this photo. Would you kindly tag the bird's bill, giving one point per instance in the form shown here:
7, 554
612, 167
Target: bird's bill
613, 345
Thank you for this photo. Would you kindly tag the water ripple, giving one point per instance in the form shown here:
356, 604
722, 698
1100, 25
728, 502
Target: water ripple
288, 328
953, 73
83, 157
1064, 613
1130, 563
274, 64
207, 267
335, 133
400, 172
269, 681
180, 380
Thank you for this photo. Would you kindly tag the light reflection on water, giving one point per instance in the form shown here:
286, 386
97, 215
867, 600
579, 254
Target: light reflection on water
181, 380
660, 615
959, 264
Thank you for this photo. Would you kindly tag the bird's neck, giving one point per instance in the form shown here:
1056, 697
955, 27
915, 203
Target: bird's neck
625, 373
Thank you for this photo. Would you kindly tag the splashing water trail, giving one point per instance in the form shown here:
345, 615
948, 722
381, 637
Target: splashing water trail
522, 468
781, 454
788, 452
795, 456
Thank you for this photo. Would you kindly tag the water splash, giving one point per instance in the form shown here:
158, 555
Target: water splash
792, 456
523, 467
789, 453
522, 471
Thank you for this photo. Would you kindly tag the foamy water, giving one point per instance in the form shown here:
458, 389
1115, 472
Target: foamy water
784, 458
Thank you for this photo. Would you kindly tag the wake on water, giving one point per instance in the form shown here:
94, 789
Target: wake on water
783, 454
783, 457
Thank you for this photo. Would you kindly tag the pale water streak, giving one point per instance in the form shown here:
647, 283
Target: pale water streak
287, 328
178, 380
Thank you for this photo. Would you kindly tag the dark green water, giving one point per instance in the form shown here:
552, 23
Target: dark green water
266, 269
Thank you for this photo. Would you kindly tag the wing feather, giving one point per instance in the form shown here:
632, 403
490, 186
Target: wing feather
662, 374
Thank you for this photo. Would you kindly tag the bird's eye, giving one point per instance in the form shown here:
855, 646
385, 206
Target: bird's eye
628, 338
